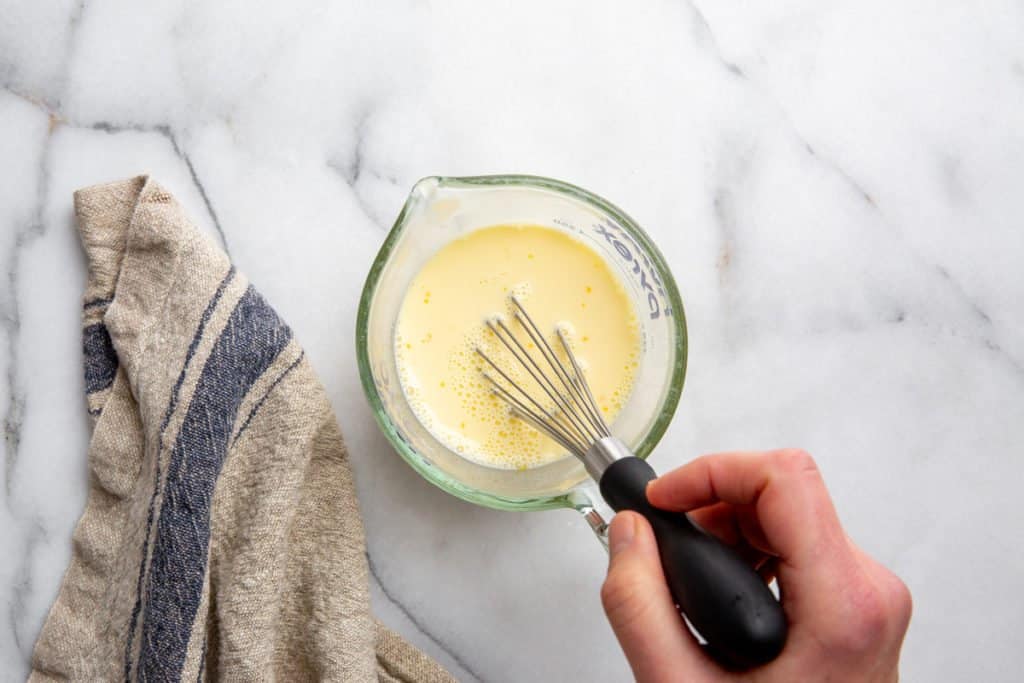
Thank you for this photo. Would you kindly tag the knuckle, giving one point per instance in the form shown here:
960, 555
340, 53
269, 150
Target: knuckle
864, 625
795, 461
624, 599
901, 602
875, 614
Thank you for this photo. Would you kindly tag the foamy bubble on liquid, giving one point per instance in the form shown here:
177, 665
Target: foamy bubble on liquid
513, 444
521, 291
569, 330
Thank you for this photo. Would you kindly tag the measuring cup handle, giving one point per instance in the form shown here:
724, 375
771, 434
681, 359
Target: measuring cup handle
586, 499
727, 602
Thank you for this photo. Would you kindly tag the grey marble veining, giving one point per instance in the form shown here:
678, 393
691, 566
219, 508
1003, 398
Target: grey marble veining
835, 185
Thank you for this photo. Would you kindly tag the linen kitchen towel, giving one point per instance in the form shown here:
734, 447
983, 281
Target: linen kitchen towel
221, 539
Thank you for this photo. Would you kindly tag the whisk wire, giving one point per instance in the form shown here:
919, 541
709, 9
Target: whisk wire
575, 422
552, 426
590, 404
586, 404
531, 365
508, 379
524, 412
570, 383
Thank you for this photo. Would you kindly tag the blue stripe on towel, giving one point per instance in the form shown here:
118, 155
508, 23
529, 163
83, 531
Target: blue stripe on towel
259, 404
253, 337
96, 303
100, 358
171, 406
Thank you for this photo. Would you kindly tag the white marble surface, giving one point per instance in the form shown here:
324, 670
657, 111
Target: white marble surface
836, 185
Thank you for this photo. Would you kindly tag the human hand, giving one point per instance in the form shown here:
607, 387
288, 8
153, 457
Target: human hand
847, 613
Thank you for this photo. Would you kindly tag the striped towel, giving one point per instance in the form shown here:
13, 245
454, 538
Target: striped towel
221, 538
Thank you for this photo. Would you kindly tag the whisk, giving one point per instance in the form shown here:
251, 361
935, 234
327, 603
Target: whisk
724, 599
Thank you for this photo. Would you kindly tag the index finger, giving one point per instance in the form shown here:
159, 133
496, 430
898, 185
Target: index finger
792, 504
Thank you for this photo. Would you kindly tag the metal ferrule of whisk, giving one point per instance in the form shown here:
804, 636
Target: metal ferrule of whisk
569, 415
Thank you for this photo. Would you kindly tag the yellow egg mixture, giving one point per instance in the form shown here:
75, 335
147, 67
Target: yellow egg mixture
561, 282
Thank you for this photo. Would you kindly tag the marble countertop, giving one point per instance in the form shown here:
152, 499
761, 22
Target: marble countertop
837, 187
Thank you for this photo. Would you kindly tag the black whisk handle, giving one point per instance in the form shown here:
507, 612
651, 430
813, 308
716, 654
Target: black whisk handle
726, 601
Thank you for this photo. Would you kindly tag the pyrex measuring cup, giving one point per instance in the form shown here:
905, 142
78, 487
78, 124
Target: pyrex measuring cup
439, 210
723, 597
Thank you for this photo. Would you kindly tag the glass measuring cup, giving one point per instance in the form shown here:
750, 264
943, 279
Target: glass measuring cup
440, 210
721, 595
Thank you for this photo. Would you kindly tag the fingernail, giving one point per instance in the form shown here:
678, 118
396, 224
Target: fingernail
621, 534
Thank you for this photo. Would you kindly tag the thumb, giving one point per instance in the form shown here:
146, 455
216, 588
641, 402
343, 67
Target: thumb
640, 608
